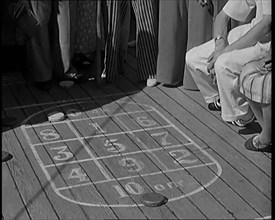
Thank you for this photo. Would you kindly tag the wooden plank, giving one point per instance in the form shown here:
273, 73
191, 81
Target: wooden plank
191, 211
249, 131
76, 149
29, 187
264, 164
220, 128
12, 204
83, 127
168, 103
64, 210
209, 209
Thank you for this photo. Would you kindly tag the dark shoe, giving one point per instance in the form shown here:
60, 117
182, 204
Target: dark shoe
6, 156
45, 86
173, 85
215, 106
73, 75
254, 144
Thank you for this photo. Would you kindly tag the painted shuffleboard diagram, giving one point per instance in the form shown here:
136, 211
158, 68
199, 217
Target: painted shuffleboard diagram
110, 157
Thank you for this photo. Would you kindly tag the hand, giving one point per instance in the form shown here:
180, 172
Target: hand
212, 59
219, 49
265, 64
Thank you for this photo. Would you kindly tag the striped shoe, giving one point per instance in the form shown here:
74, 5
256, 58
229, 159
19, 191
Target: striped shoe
242, 123
215, 106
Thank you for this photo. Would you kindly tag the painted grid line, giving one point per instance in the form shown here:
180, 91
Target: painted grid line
117, 155
100, 135
103, 171
86, 119
67, 101
143, 145
135, 176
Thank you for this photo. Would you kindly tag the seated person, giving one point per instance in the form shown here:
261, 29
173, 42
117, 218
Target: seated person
255, 84
216, 65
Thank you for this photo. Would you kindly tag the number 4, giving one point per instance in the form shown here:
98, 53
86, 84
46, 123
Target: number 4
78, 173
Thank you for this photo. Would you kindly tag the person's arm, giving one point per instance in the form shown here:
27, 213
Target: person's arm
220, 27
220, 33
253, 36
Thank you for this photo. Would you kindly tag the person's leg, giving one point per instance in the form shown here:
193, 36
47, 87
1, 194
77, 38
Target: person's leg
228, 68
60, 33
113, 41
126, 18
38, 49
196, 62
146, 13
265, 135
257, 110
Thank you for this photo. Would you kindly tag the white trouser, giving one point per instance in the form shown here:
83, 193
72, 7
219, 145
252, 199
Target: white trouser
228, 67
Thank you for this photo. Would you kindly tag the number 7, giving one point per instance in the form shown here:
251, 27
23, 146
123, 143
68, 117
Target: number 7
163, 139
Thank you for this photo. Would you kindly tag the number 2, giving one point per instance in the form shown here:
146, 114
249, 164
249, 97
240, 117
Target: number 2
183, 154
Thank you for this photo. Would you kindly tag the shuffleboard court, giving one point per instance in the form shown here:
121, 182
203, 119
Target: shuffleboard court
124, 152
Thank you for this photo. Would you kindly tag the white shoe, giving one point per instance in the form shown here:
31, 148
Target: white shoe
152, 82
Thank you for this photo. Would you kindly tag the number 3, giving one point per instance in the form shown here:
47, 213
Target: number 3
66, 155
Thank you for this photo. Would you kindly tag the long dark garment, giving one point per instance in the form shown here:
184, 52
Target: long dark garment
49, 50
172, 41
146, 13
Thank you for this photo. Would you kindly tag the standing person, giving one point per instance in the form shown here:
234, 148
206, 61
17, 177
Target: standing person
49, 49
146, 13
173, 19
85, 32
62, 29
38, 46
216, 65
147, 20
115, 19
255, 85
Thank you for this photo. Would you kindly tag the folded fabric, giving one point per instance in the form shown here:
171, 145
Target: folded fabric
23, 18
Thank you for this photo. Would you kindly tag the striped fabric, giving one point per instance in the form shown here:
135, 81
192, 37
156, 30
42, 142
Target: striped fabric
146, 13
255, 83
113, 62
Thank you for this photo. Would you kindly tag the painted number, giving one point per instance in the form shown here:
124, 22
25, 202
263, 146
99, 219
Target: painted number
97, 127
114, 147
163, 139
180, 155
134, 165
49, 134
62, 154
144, 121
78, 173
131, 187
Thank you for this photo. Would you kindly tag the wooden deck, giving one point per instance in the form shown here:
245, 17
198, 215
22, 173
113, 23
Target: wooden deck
123, 140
